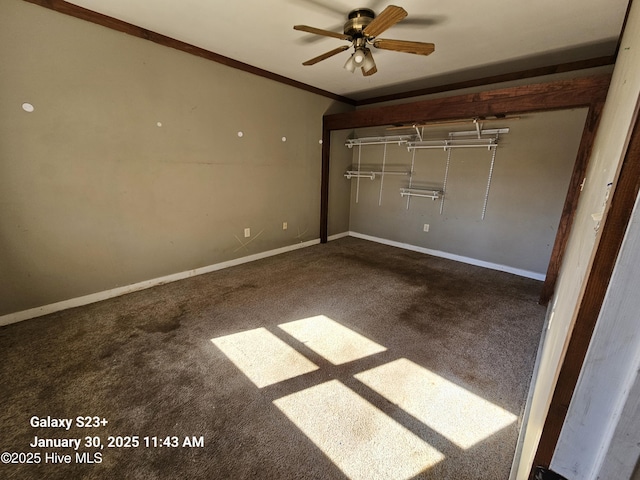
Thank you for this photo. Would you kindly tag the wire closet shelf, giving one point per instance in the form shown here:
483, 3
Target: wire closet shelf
478, 138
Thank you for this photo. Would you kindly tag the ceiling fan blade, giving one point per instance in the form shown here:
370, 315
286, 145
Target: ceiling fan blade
386, 19
418, 48
319, 31
324, 56
317, 38
369, 72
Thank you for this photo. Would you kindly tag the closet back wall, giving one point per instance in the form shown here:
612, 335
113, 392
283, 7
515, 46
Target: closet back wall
531, 174
130, 167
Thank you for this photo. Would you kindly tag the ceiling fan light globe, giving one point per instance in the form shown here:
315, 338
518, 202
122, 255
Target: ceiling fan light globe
351, 64
359, 57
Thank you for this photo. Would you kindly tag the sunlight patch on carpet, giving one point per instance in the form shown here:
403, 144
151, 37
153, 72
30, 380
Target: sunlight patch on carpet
360, 439
459, 415
263, 357
333, 341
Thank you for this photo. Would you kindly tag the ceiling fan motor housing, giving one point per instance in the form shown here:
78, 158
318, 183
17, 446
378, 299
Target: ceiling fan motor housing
358, 19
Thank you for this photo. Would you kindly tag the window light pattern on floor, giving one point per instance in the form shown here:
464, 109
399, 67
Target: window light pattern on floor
358, 437
263, 357
333, 341
459, 415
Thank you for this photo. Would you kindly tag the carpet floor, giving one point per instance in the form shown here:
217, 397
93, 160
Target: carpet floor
345, 360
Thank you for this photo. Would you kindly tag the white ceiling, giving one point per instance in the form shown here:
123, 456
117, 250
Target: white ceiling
473, 39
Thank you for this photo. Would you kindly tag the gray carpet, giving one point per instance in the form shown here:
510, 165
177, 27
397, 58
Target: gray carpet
441, 333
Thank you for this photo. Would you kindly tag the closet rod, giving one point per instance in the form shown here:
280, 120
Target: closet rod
370, 174
447, 145
411, 192
350, 175
399, 139
474, 133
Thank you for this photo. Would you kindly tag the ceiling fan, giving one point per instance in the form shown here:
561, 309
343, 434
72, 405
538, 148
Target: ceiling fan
362, 29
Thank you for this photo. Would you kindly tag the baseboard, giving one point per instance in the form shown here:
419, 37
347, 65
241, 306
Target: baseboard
116, 292
337, 236
452, 256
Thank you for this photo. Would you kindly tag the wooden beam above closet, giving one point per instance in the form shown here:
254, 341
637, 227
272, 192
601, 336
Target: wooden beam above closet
558, 95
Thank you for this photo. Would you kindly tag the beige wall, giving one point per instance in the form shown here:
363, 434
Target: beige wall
530, 179
94, 195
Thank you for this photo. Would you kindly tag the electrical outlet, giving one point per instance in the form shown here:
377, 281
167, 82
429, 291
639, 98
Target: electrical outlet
247, 232
425, 228
284, 225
